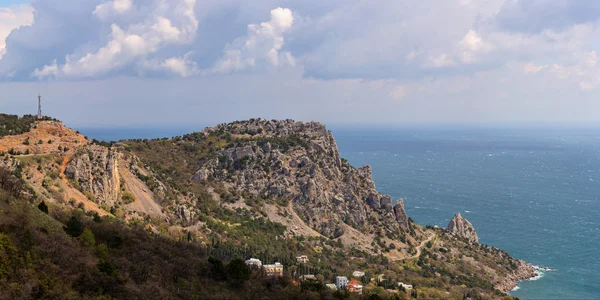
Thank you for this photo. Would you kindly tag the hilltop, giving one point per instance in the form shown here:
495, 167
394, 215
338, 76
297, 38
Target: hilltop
272, 189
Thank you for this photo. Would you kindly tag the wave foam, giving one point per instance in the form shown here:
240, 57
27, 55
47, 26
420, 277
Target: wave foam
539, 273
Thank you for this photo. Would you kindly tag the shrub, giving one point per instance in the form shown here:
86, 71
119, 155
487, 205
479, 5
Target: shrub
43, 207
238, 271
127, 197
74, 227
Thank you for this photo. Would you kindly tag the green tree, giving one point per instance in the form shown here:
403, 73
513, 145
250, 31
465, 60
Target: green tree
43, 207
217, 269
74, 227
8, 254
87, 238
238, 271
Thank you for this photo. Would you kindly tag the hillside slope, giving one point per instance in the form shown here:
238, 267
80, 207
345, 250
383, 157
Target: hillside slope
273, 188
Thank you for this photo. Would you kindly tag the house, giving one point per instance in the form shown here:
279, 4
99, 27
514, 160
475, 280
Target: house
295, 283
405, 286
254, 262
302, 259
331, 286
307, 277
354, 287
341, 282
358, 274
275, 270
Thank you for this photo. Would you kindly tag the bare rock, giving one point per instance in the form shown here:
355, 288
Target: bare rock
400, 214
95, 169
201, 175
463, 228
386, 202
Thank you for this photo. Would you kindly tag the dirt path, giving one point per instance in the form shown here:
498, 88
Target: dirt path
423, 243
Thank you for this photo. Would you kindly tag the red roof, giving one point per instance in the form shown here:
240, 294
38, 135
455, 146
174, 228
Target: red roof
295, 282
353, 282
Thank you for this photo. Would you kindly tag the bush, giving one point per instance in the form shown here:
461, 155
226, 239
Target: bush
238, 271
127, 197
43, 207
74, 227
87, 238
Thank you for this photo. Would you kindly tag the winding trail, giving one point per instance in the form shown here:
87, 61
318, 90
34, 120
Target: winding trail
423, 243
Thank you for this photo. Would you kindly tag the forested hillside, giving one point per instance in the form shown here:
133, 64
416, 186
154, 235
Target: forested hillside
13, 124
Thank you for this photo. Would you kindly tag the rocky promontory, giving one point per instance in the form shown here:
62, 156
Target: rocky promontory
463, 228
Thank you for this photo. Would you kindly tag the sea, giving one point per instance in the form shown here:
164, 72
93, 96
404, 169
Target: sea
533, 192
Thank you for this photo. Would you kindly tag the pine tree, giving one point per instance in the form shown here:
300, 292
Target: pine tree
43, 207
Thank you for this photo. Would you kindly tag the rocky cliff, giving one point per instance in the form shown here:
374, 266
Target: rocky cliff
463, 228
95, 170
301, 162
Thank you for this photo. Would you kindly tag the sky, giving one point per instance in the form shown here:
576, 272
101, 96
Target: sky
118, 63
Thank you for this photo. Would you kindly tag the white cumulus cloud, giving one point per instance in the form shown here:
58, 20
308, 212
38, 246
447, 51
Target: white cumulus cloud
132, 45
472, 45
114, 7
263, 44
12, 18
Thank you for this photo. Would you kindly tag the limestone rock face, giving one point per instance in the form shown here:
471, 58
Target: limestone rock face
95, 169
300, 161
400, 214
463, 228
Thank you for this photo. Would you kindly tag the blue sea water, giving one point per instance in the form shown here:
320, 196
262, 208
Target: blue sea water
532, 192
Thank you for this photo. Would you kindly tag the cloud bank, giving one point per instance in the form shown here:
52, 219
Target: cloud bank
416, 57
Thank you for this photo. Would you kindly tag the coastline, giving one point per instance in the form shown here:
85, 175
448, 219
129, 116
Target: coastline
524, 271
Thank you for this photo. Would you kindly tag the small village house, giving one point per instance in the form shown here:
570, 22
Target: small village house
358, 274
405, 286
331, 286
274, 270
307, 277
341, 282
354, 287
302, 259
254, 262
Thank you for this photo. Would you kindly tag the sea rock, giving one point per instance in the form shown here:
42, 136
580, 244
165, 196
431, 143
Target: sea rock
463, 228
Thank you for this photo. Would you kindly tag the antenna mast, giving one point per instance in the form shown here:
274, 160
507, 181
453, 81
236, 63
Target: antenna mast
39, 115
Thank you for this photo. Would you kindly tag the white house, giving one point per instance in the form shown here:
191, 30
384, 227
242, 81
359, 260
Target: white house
331, 286
302, 259
341, 282
405, 286
358, 274
254, 262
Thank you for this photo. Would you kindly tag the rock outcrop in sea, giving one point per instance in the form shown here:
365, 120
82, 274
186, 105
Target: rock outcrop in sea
463, 228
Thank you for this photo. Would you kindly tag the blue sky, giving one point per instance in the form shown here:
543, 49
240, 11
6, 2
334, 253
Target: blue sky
182, 62
6, 3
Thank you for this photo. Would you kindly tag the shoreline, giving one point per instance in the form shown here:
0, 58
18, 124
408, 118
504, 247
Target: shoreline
538, 272
524, 271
